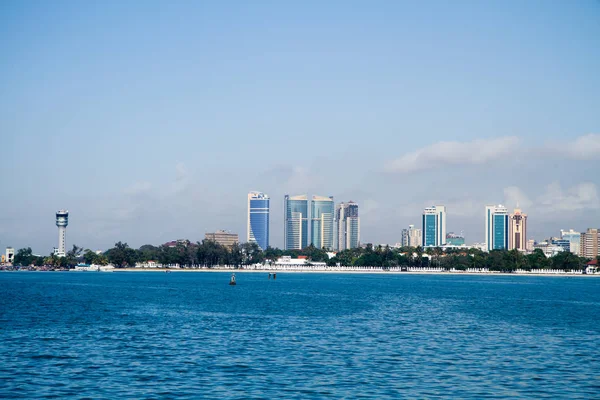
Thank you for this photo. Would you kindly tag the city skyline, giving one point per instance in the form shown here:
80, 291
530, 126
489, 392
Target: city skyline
504, 231
404, 105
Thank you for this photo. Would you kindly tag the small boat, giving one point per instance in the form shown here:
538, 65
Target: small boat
232, 280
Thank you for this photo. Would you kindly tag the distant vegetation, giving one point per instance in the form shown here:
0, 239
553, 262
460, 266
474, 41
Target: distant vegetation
210, 253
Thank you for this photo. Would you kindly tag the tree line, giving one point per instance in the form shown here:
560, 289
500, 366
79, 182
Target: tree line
209, 253
457, 259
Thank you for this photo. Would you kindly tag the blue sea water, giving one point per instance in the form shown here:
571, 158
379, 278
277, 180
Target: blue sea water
191, 335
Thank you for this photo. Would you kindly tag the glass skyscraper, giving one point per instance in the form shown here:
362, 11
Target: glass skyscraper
296, 222
258, 219
348, 226
434, 226
321, 219
496, 228
574, 239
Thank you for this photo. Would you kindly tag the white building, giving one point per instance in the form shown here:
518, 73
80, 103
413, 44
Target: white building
549, 249
288, 261
10, 255
62, 220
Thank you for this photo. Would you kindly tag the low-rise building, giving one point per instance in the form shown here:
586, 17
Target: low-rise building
223, 238
288, 261
548, 248
10, 255
530, 244
455, 239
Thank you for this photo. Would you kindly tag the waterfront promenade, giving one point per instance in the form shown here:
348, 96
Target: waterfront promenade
357, 269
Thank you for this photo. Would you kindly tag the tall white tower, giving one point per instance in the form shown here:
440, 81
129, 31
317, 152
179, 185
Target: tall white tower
62, 220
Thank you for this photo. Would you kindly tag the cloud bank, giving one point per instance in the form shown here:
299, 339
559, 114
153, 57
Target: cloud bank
442, 154
482, 151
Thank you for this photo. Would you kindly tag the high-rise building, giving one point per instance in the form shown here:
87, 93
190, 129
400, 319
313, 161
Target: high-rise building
574, 239
295, 233
62, 220
434, 226
348, 226
224, 238
518, 231
590, 243
258, 219
321, 221
411, 237
496, 227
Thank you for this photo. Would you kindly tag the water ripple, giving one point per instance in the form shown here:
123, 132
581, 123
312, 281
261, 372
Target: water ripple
138, 335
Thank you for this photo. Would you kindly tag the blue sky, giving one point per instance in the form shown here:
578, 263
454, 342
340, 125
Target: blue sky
151, 121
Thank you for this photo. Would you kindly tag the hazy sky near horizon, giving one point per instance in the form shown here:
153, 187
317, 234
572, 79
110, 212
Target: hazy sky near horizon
150, 121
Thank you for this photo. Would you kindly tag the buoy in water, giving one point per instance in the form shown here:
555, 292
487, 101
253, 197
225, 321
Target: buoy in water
232, 280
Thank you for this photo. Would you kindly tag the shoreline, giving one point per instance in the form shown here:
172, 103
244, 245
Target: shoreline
252, 271
212, 270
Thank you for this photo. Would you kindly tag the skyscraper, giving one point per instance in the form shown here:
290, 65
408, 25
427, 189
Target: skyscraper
518, 231
296, 222
411, 237
321, 220
590, 243
434, 226
258, 219
496, 227
62, 220
348, 226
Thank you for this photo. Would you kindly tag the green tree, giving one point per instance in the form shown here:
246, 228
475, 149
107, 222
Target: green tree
24, 257
566, 260
73, 255
235, 255
89, 257
121, 255
419, 257
538, 260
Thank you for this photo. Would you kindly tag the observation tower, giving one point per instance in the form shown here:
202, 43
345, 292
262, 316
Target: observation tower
62, 220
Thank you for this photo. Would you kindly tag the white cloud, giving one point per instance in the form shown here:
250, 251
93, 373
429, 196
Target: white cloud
442, 154
579, 197
583, 196
584, 147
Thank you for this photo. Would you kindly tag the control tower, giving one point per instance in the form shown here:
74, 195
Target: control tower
62, 220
